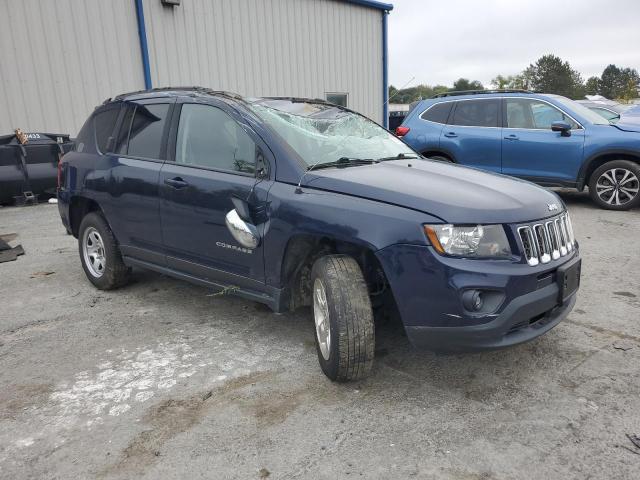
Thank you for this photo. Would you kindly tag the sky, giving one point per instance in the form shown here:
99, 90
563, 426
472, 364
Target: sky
438, 42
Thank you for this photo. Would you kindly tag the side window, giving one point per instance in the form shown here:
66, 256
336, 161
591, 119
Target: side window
476, 113
519, 113
544, 115
104, 123
533, 114
607, 114
122, 138
84, 140
145, 134
438, 113
208, 137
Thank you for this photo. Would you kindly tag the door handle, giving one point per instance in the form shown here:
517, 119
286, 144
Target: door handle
176, 183
451, 134
511, 137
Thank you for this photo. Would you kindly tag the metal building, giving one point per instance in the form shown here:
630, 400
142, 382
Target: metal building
61, 58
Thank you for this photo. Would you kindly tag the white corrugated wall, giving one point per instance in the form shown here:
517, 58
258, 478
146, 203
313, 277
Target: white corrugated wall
270, 47
61, 58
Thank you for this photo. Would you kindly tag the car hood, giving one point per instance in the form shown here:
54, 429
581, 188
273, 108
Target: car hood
452, 193
629, 124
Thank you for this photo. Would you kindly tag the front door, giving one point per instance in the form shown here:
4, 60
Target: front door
531, 150
472, 135
213, 165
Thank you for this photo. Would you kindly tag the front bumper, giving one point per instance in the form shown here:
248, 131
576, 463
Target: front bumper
428, 290
525, 318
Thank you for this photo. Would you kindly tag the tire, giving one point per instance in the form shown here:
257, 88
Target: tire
348, 354
100, 255
616, 185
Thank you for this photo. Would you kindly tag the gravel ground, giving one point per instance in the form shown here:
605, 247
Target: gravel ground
163, 380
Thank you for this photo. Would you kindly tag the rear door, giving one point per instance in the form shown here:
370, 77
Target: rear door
424, 133
214, 156
473, 134
133, 158
531, 150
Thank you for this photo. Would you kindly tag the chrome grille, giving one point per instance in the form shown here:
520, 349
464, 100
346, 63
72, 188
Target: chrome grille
547, 241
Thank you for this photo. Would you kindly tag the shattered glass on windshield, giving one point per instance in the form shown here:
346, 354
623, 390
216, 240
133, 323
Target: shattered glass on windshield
322, 133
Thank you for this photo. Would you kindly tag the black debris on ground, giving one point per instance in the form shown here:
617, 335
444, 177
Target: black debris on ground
7, 252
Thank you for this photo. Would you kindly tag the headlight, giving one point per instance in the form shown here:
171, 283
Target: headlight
469, 241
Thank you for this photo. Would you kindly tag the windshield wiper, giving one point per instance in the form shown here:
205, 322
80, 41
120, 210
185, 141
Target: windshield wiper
343, 162
400, 156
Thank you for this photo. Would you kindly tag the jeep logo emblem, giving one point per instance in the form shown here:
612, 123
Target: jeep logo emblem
552, 206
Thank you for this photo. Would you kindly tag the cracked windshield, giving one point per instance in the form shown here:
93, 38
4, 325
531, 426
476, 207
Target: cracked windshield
321, 133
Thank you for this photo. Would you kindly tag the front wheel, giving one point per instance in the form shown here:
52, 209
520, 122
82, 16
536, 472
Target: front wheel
345, 333
615, 185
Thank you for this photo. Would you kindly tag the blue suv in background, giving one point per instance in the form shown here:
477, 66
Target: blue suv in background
547, 139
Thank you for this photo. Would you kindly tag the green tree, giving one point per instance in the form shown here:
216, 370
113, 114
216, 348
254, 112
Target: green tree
393, 91
519, 82
466, 84
592, 86
516, 82
440, 89
552, 75
411, 94
615, 81
501, 82
631, 91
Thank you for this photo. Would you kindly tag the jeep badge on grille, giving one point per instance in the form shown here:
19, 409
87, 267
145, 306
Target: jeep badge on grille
552, 206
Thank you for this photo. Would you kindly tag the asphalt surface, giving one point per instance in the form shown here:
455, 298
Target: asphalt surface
163, 380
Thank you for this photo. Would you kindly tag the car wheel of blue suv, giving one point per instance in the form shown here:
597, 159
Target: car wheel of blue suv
616, 185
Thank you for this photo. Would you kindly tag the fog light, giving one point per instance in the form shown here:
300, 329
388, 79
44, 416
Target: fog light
472, 300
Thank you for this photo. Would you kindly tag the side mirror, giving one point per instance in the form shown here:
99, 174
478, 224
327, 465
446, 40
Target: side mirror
563, 127
246, 234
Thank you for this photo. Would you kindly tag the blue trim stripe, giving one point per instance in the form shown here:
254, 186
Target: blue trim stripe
144, 49
370, 3
385, 71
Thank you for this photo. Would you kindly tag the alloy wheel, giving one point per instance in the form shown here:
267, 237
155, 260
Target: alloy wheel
617, 186
93, 252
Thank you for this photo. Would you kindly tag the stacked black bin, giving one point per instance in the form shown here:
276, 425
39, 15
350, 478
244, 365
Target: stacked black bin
29, 170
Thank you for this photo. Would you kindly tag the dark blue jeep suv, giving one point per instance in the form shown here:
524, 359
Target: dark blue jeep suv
293, 202
547, 139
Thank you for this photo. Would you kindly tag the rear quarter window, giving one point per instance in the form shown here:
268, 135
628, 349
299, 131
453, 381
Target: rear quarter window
104, 123
437, 113
84, 142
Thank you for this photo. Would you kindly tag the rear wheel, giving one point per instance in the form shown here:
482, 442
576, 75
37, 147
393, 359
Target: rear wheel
100, 255
345, 334
616, 185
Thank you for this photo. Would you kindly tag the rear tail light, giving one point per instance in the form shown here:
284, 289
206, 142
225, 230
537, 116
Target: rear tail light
402, 131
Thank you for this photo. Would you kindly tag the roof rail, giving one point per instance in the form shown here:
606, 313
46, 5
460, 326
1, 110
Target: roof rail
480, 92
189, 89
